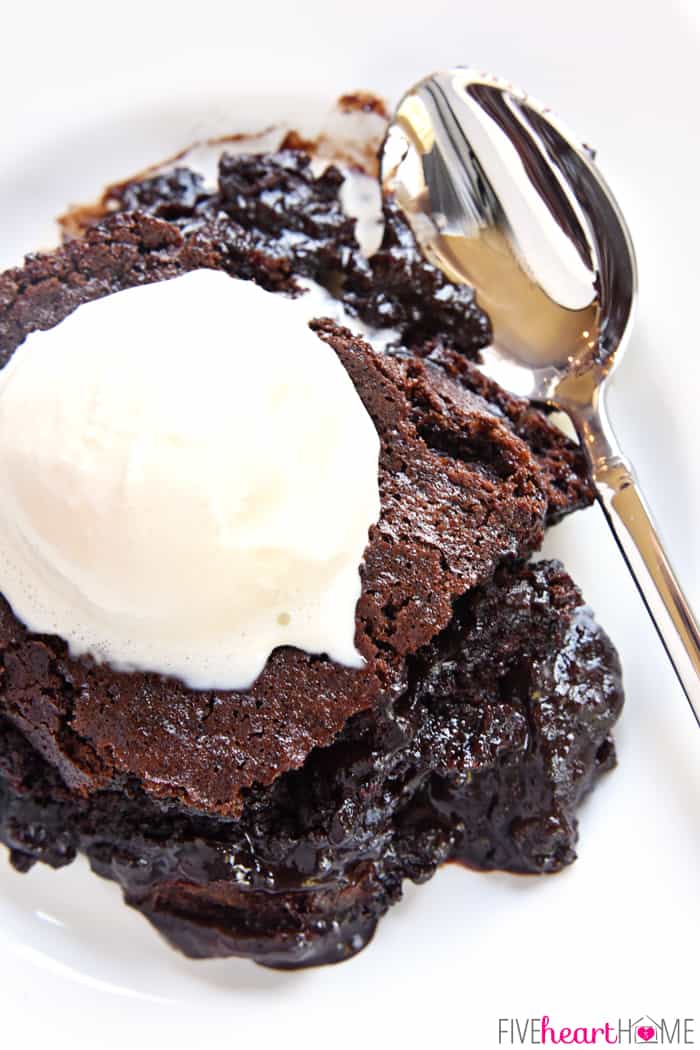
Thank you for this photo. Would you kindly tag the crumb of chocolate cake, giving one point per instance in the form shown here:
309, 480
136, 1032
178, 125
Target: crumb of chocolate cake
364, 102
74, 221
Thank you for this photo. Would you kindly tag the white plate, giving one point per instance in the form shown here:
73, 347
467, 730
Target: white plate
87, 101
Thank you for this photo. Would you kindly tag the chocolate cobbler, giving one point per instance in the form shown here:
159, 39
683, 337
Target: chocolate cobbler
279, 822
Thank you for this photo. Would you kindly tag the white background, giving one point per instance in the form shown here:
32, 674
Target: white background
90, 92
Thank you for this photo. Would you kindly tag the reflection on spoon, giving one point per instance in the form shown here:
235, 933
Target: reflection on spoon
501, 196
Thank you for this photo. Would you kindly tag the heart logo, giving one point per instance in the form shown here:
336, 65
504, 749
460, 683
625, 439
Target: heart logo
646, 1032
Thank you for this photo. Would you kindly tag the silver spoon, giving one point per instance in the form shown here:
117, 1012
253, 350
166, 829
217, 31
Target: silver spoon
501, 196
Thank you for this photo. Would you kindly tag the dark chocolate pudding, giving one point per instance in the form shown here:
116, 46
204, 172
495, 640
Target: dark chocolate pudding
278, 823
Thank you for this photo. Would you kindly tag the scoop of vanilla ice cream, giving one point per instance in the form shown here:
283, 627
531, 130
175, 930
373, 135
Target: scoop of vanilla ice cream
187, 480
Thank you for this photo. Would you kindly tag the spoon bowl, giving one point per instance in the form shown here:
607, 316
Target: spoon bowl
500, 195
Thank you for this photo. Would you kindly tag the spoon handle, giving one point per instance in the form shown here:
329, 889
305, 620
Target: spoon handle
630, 519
